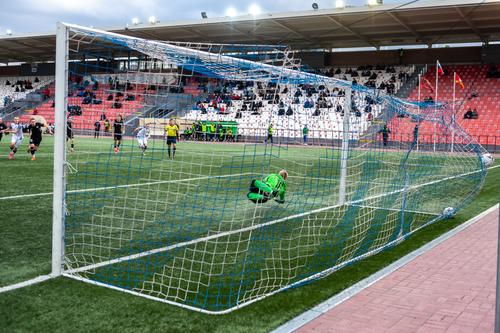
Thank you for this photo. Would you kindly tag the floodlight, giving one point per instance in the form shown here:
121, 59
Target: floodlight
254, 10
315, 6
152, 20
135, 21
339, 4
374, 2
231, 12
204, 15
8, 32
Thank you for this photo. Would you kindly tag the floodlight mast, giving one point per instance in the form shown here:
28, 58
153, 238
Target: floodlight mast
58, 205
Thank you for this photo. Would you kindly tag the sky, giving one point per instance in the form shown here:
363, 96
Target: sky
27, 16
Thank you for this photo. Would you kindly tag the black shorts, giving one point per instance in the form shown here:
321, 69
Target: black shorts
171, 139
69, 134
118, 136
35, 141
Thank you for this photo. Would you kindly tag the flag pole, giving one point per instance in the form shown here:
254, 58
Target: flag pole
435, 106
419, 80
453, 109
419, 92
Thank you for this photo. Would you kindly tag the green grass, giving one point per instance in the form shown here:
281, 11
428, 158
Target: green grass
66, 305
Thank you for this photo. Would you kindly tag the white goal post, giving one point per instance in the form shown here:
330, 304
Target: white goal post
59, 186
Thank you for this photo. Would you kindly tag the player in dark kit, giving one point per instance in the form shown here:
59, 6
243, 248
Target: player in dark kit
118, 132
97, 129
35, 129
69, 133
3, 127
385, 131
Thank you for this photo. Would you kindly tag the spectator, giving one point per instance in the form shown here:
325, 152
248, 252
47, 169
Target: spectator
7, 100
46, 94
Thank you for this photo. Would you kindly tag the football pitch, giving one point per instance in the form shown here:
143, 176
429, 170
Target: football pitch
63, 304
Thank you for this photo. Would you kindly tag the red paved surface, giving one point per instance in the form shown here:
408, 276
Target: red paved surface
451, 288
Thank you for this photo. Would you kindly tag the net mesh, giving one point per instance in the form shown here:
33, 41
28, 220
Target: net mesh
182, 230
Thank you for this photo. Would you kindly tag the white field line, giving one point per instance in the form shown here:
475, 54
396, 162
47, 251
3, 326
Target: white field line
257, 226
124, 186
397, 210
26, 283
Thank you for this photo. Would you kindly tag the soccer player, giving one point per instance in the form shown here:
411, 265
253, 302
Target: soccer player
270, 133
271, 187
142, 137
69, 133
172, 133
385, 134
3, 127
229, 135
415, 134
305, 133
35, 130
17, 136
97, 129
118, 132
106, 126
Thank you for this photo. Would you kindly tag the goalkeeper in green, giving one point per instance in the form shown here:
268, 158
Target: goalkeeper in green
271, 187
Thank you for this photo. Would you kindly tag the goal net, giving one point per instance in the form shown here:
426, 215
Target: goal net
365, 170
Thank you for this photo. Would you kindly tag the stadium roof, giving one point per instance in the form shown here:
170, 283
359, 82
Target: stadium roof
416, 22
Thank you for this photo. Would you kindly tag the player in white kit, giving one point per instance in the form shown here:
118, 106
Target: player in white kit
142, 137
16, 129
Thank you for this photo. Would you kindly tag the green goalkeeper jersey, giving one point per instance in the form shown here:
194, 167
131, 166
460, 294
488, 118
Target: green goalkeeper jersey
277, 184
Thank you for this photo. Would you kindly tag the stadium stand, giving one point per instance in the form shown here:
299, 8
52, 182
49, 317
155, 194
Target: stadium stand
388, 78
481, 92
254, 107
98, 97
16, 88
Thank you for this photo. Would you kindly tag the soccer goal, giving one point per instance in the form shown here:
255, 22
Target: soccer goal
159, 145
